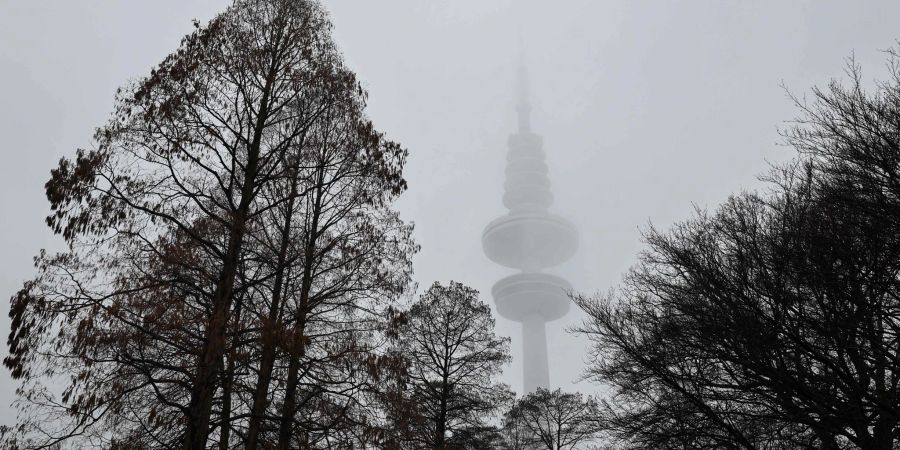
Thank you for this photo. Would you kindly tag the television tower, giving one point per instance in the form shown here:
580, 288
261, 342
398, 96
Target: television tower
530, 239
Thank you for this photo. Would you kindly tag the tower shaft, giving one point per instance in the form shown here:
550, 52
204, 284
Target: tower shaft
535, 367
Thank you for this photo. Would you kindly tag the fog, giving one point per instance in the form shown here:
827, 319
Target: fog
647, 109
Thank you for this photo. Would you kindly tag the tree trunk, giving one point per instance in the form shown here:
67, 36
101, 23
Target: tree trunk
290, 396
440, 441
207, 371
267, 362
298, 344
204, 386
884, 431
225, 431
440, 429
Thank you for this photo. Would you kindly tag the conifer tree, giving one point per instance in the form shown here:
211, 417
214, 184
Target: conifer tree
234, 212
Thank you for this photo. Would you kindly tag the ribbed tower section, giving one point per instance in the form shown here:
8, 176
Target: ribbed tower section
531, 239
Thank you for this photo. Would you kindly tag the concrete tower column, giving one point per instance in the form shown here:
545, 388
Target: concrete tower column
535, 366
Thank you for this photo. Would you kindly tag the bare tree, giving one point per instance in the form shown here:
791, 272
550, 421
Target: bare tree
772, 322
453, 358
554, 420
515, 434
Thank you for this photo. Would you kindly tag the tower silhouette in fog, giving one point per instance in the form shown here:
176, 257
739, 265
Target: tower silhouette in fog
531, 239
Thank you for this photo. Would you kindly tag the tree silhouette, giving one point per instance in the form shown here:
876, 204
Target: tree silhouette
234, 212
554, 420
453, 357
772, 322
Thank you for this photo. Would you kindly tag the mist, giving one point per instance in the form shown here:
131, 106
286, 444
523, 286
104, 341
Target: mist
647, 110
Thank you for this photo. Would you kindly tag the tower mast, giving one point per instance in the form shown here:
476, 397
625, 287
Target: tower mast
531, 239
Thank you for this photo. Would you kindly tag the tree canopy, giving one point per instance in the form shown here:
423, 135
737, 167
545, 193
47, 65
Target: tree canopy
453, 358
231, 243
552, 420
773, 321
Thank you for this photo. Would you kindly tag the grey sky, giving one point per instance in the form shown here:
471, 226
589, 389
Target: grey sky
646, 108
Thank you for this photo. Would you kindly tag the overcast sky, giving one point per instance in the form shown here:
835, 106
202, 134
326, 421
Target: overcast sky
647, 108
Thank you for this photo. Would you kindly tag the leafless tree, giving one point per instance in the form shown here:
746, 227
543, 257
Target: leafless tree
772, 322
554, 420
453, 358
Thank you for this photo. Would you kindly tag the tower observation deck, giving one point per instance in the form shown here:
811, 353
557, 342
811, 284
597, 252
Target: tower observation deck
531, 239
